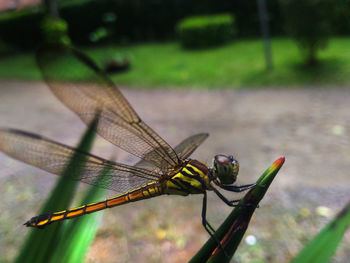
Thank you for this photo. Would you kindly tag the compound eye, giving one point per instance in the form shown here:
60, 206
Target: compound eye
231, 157
222, 159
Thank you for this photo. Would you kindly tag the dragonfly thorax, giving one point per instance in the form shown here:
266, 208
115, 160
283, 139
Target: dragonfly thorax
225, 170
191, 178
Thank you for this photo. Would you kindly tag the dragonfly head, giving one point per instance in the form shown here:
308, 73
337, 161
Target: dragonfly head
225, 169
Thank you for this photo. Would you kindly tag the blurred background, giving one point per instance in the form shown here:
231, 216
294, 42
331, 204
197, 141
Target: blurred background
265, 78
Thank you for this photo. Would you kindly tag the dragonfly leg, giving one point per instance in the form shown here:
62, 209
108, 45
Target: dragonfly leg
206, 224
232, 203
237, 189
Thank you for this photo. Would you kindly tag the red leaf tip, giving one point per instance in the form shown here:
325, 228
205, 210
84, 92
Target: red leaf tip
279, 162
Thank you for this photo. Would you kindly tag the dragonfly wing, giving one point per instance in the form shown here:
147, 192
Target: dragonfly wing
97, 94
189, 145
54, 157
183, 150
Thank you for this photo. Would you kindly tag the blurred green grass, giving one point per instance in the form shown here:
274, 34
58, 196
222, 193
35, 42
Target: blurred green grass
237, 65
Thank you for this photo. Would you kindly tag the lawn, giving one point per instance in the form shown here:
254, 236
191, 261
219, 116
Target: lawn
239, 64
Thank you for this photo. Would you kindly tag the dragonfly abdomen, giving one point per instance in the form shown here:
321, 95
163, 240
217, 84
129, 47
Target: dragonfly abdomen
145, 192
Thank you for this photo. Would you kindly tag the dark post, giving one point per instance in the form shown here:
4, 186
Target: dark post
265, 33
51, 8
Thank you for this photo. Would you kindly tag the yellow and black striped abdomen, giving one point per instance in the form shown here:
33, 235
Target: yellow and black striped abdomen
145, 192
192, 178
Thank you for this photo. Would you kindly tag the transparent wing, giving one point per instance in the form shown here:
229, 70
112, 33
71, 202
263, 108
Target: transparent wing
86, 90
189, 145
183, 150
54, 157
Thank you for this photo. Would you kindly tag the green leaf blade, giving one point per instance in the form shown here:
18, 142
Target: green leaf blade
39, 244
79, 233
323, 246
231, 231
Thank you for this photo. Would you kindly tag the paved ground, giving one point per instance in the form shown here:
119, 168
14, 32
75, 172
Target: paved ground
309, 126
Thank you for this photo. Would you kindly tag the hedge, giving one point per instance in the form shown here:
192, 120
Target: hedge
204, 31
140, 20
134, 20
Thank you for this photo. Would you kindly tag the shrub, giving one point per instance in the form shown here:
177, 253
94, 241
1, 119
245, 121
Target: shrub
203, 31
92, 21
55, 31
127, 21
309, 22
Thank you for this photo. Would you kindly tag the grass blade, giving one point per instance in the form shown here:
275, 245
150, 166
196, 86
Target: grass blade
39, 244
231, 232
78, 233
323, 246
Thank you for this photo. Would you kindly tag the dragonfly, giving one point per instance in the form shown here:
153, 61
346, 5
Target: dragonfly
162, 170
